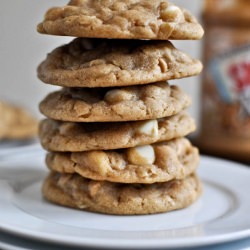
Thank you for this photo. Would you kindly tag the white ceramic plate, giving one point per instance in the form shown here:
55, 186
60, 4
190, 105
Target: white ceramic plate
221, 215
8, 148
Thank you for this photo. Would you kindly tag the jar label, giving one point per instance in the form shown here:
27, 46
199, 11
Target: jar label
231, 73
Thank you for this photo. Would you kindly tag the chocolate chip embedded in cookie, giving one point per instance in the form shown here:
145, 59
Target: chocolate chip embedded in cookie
75, 191
158, 162
127, 19
107, 63
133, 103
76, 137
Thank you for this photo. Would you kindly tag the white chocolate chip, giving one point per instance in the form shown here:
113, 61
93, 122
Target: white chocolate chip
173, 8
117, 95
141, 155
172, 14
148, 128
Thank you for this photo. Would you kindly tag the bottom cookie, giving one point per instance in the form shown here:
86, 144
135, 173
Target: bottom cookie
74, 191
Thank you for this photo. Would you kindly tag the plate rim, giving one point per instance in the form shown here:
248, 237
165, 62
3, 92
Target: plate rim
132, 244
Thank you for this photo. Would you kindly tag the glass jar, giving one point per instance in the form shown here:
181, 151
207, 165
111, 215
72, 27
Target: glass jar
225, 116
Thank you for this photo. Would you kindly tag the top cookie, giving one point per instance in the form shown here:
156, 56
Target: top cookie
123, 19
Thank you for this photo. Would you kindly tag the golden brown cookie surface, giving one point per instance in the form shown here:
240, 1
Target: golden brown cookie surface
133, 103
158, 162
107, 63
129, 19
75, 191
76, 137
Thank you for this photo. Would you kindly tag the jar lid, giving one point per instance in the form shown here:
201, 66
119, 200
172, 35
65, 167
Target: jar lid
231, 12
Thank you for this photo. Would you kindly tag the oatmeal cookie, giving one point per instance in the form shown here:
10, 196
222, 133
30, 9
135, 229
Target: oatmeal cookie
16, 123
109, 63
132, 103
126, 19
158, 162
74, 191
76, 137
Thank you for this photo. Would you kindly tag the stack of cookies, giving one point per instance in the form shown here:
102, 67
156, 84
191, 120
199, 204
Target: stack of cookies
115, 131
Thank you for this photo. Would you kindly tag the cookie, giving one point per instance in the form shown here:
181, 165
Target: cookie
109, 63
75, 191
16, 123
76, 137
116, 104
158, 162
126, 19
